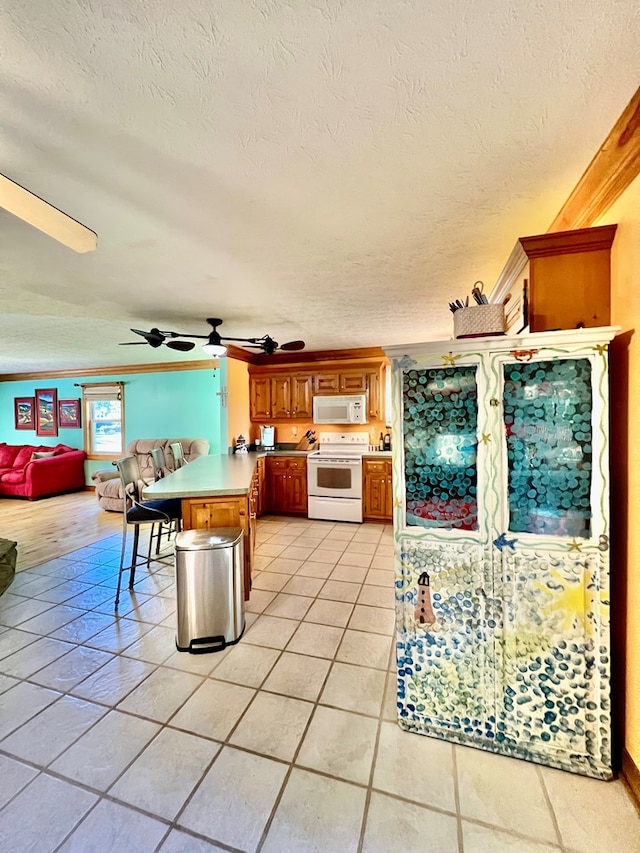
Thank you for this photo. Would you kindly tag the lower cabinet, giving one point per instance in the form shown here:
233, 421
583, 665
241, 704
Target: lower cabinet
377, 491
261, 485
224, 511
287, 484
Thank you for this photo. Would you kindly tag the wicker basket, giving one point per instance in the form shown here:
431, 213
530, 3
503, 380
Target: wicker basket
478, 320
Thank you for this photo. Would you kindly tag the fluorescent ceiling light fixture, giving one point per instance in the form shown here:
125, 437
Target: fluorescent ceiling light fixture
45, 217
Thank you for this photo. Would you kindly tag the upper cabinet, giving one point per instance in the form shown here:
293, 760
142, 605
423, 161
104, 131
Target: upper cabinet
278, 394
570, 279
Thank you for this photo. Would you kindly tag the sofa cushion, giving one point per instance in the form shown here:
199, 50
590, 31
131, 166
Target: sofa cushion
24, 455
15, 475
43, 454
8, 453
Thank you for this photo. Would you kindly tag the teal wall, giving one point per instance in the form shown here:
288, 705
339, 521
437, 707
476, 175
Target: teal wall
167, 404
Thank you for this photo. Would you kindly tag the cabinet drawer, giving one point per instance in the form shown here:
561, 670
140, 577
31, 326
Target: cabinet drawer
277, 462
377, 466
297, 463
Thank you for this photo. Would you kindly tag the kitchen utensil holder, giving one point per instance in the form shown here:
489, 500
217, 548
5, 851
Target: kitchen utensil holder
478, 320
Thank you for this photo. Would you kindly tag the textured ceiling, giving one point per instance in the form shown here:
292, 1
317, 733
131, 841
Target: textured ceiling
332, 171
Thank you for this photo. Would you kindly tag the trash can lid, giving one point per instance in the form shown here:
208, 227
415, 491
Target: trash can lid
204, 540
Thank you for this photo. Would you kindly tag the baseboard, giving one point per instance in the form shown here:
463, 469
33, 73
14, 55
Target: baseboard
631, 774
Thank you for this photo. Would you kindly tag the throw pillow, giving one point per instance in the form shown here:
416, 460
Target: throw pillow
24, 455
42, 454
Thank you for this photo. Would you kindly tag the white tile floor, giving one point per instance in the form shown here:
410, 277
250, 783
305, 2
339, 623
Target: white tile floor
111, 740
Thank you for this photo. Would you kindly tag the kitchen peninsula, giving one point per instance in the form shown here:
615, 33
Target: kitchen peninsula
216, 491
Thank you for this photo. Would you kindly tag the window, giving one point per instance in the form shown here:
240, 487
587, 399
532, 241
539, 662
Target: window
103, 419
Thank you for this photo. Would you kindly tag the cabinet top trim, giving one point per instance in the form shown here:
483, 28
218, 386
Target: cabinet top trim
567, 242
507, 343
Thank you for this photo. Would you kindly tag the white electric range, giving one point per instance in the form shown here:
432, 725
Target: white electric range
334, 476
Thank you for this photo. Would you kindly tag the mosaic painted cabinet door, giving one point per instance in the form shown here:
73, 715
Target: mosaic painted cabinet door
501, 494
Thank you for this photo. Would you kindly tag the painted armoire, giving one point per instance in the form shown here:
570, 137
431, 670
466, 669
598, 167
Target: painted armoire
501, 523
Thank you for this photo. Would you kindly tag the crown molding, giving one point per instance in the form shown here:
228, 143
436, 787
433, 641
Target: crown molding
209, 364
614, 167
281, 359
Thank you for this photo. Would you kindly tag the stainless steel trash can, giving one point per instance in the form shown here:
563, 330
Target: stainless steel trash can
209, 589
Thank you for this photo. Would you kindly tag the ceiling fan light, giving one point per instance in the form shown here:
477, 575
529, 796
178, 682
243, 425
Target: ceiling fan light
215, 350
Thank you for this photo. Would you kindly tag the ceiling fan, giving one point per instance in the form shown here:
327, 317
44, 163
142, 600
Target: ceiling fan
214, 341
47, 218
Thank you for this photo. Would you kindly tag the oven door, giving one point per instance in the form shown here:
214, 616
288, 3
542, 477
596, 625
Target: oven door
335, 478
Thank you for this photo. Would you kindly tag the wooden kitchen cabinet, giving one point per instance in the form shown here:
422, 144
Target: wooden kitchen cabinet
224, 511
287, 483
341, 382
280, 396
570, 278
301, 395
277, 394
260, 397
377, 489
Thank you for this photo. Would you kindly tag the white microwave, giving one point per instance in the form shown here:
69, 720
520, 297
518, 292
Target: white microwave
350, 409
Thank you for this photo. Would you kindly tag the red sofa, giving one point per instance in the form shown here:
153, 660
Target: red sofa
23, 476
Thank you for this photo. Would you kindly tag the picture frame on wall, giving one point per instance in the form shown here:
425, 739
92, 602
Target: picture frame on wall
46, 411
24, 413
69, 413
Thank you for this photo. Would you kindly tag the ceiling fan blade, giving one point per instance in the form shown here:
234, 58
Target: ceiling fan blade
45, 217
182, 346
292, 346
133, 344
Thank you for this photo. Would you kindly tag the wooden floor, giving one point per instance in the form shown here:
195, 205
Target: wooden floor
51, 527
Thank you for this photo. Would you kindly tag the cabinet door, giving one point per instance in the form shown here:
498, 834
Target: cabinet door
260, 398
262, 496
375, 496
554, 659
277, 482
552, 563
374, 395
445, 653
297, 491
389, 493
440, 426
547, 410
222, 512
326, 383
375, 477
301, 396
281, 397
353, 382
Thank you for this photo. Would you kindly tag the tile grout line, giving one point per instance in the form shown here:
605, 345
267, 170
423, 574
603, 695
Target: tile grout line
547, 799
456, 797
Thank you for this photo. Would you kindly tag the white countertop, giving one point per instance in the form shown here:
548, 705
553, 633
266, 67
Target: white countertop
222, 474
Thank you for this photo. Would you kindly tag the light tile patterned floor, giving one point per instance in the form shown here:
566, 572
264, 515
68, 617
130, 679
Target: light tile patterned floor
111, 740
